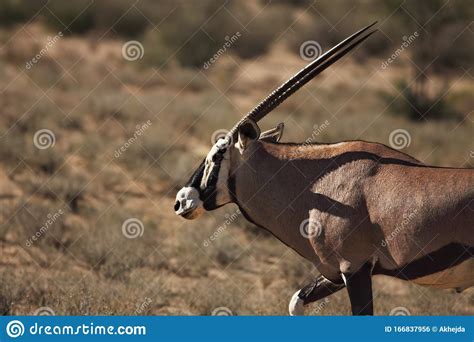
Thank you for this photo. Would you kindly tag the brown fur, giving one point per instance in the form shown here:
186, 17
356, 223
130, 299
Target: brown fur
359, 192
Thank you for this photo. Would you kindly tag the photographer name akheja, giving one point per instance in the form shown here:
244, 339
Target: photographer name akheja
449, 329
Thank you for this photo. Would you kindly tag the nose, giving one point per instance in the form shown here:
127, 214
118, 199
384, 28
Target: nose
183, 206
187, 199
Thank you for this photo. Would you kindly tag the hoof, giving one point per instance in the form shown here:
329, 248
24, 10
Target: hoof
296, 306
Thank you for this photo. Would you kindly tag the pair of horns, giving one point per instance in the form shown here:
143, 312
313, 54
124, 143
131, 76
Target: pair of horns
304, 76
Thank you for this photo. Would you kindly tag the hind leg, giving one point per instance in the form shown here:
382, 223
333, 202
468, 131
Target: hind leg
316, 290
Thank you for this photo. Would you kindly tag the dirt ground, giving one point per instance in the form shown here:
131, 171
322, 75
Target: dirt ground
64, 208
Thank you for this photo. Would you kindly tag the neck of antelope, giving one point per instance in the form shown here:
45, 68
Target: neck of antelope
274, 195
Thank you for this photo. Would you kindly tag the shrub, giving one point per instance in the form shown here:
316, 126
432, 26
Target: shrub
69, 188
47, 161
74, 16
118, 16
260, 35
183, 35
40, 225
14, 11
418, 104
194, 34
156, 52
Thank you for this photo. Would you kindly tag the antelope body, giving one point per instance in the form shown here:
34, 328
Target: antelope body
354, 209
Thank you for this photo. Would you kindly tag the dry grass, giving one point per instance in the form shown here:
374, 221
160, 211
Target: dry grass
83, 264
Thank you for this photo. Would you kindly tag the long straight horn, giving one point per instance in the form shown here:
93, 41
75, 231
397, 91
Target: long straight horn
304, 76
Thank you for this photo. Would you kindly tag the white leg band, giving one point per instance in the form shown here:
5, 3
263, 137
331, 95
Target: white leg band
296, 306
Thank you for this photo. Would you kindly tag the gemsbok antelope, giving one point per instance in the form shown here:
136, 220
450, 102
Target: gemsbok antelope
349, 198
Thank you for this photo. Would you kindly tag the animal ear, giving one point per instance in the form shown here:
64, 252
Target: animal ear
274, 134
248, 132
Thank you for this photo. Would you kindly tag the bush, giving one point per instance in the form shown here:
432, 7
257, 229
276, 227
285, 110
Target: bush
261, 35
184, 36
118, 17
14, 11
417, 104
76, 16
106, 248
194, 34
453, 54
41, 225
156, 52
306, 29
47, 161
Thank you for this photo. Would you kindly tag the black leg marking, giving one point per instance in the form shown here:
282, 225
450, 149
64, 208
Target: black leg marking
318, 289
359, 287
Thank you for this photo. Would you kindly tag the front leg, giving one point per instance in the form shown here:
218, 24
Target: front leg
317, 289
359, 287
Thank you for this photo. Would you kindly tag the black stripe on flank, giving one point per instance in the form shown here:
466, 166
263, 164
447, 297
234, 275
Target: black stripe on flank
446, 257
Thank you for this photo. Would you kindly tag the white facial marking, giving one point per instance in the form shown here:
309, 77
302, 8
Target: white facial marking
344, 278
239, 147
296, 306
209, 164
188, 197
222, 143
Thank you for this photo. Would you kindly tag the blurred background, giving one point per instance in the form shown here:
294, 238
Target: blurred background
107, 106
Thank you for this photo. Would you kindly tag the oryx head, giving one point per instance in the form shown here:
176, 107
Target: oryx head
210, 185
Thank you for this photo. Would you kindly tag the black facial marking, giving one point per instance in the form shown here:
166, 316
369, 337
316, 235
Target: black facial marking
209, 194
195, 180
218, 156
